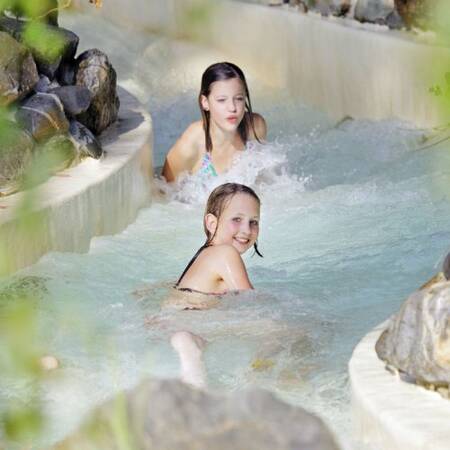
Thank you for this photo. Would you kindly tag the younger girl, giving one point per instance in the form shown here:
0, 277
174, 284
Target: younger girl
231, 224
209, 146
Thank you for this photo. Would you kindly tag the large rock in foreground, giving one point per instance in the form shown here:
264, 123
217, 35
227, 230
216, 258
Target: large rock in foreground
169, 415
417, 340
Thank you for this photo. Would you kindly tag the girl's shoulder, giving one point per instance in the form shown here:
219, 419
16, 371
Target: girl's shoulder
222, 254
194, 133
260, 127
190, 142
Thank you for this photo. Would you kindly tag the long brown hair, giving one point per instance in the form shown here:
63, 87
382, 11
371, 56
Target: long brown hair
220, 72
218, 200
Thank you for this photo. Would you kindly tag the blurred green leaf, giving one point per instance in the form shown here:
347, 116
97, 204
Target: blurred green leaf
46, 42
35, 8
22, 422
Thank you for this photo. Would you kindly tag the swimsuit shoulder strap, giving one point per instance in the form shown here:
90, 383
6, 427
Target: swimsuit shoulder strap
190, 263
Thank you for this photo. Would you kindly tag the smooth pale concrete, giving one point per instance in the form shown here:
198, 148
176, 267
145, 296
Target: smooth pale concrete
337, 65
390, 414
96, 197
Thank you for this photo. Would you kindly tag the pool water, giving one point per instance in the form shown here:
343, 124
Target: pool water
354, 217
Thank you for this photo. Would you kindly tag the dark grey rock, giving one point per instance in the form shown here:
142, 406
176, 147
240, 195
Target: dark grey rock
45, 85
66, 73
75, 99
18, 73
374, 11
95, 72
47, 65
446, 267
417, 340
327, 7
15, 152
87, 144
168, 415
42, 115
394, 21
14, 27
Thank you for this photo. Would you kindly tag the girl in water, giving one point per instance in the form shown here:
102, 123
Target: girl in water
209, 146
231, 224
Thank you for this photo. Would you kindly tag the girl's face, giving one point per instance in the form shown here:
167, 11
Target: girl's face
225, 103
238, 224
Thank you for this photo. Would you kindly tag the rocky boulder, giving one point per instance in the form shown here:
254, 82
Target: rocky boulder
415, 13
15, 152
46, 64
417, 340
95, 72
59, 152
75, 99
85, 142
331, 7
169, 415
42, 115
18, 73
374, 11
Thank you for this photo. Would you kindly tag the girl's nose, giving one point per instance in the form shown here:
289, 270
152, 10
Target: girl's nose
245, 228
232, 106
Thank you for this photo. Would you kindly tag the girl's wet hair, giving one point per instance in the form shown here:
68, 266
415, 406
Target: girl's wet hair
218, 200
220, 72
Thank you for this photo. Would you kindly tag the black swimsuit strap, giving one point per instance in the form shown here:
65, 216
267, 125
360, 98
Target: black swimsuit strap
190, 263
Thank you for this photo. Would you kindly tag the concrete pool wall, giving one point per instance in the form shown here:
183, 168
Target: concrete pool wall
339, 66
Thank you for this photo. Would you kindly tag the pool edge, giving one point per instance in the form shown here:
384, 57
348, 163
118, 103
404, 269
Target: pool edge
96, 197
388, 413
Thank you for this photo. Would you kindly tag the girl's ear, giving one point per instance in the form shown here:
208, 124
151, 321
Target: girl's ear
211, 223
204, 102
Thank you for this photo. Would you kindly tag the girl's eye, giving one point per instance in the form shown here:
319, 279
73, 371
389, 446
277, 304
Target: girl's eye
221, 100
240, 99
254, 223
236, 219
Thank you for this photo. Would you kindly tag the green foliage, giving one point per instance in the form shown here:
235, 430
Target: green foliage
45, 42
22, 422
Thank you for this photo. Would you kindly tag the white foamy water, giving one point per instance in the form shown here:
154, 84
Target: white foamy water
354, 217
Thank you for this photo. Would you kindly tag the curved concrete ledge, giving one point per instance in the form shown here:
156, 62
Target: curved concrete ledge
337, 65
94, 198
390, 414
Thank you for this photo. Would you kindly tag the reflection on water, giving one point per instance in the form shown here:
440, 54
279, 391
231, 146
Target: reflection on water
353, 219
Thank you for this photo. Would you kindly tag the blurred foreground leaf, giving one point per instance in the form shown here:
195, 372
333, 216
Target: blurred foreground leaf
47, 43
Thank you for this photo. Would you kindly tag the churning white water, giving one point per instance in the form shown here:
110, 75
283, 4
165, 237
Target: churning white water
354, 217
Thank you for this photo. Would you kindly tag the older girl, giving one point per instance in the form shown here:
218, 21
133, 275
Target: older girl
208, 146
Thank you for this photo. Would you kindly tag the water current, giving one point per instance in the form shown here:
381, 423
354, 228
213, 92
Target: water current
354, 217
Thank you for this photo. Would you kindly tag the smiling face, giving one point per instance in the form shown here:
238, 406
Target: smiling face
238, 224
225, 103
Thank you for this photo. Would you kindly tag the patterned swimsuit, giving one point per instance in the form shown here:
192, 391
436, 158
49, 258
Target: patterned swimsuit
207, 167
